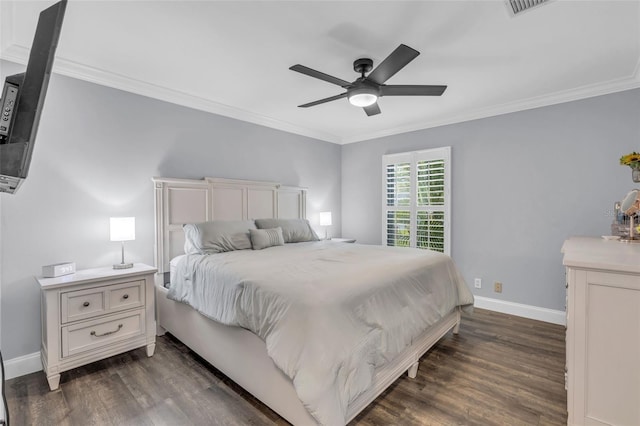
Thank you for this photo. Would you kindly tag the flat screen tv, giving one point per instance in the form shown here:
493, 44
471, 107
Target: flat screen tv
23, 98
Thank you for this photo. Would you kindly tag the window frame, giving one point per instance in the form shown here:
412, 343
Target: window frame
413, 158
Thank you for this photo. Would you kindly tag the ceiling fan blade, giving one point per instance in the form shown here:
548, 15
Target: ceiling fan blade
372, 109
320, 75
411, 90
393, 63
321, 101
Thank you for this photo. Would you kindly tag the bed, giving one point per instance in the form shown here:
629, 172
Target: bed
256, 359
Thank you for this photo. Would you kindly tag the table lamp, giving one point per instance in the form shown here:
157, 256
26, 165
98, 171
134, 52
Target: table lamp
123, 229
325, 220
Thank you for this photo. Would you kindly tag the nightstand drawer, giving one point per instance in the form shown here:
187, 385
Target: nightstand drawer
126, 296
89, 335
84, 304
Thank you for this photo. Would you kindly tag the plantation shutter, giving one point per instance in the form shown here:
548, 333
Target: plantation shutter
416, 196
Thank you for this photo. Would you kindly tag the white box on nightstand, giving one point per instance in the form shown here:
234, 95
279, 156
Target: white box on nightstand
58, 269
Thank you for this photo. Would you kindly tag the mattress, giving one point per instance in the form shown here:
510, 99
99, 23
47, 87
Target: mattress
329, 313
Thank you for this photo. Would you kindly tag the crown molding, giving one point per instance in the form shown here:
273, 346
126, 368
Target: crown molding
62, 66
584, 92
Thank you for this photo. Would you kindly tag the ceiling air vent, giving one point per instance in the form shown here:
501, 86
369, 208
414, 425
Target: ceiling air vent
519, 6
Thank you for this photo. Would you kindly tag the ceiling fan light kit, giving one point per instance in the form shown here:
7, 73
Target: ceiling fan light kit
366, 89
363, 97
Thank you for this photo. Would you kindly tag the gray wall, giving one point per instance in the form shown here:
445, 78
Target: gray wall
522, 184
96, 151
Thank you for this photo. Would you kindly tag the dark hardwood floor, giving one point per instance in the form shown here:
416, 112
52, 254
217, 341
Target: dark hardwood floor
500, 370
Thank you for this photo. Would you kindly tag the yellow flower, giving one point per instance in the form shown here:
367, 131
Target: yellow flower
632, 160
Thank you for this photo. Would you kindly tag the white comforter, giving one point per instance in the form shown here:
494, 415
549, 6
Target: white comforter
329, 313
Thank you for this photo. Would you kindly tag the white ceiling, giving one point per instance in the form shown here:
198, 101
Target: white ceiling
232, 58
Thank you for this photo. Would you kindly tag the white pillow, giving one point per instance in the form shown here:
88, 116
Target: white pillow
217, 236
264, 238
293, 230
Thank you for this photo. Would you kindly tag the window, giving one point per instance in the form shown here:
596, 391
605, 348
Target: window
416, 199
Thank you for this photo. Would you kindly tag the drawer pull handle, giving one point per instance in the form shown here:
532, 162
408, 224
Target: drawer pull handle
126, 296
93, 333
85, 304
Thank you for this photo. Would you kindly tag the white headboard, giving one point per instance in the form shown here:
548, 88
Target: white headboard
180, 201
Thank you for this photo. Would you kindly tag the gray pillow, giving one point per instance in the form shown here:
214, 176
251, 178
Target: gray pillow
264, 238
217, 236
293, 230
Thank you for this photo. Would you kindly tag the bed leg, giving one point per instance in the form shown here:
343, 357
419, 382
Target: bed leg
413, 371
456, 328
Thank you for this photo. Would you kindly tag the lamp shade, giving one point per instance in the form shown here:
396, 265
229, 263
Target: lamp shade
122, 228
325, 218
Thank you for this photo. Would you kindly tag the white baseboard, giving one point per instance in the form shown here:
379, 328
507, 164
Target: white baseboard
22, 365
527, 311
31, 363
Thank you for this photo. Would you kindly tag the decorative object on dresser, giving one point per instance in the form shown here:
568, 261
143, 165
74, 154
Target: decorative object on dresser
94, 314
603, 331
632, 160
122, 229
630, 206
325, 220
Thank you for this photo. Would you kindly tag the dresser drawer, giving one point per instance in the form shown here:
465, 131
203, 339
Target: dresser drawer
93, 302
95, 334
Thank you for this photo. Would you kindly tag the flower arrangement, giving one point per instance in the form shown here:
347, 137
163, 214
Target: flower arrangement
632, 160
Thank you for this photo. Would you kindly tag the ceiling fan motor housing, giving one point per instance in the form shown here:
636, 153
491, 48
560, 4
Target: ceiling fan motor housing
362, 65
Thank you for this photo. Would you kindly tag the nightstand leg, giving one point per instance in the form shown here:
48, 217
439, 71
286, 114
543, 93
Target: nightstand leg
151, 348
54, 381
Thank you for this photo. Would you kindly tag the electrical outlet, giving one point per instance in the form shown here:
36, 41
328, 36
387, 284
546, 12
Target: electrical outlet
477, 283
497, 287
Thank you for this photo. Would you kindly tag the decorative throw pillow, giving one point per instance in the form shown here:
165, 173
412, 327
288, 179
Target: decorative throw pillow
217, 236
264, 238
293, 230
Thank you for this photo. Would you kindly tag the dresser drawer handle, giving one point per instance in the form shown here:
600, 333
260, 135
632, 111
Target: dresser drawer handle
93, 333
126, 296
85, 304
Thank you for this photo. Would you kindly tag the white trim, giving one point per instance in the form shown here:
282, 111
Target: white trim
22, 365
62, 66
518, 309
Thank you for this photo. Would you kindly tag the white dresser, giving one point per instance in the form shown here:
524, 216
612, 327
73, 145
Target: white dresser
603, 331
94, 314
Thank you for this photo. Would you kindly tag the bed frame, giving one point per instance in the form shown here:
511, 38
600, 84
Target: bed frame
238, 353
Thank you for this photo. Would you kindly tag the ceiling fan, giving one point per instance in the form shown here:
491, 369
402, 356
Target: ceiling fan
365, 90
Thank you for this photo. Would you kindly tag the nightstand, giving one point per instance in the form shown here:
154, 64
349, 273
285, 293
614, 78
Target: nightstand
344, 240
94, 314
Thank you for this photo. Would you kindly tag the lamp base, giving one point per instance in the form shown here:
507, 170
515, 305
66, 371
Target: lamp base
123, 266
